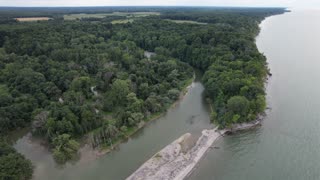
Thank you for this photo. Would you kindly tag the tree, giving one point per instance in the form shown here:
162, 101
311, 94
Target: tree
260, 104
82, 84
38, 124
134, 104
65, 148
238, 105
152, 104
143, 91
29, 81
213, 116
13, 165
119, 91
173, 94
110, 129
135, 118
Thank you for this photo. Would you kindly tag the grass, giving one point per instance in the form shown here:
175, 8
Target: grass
30, 19
102, 15
136, 14
158, 155
186, 84
82, 15
186, 21
122, 21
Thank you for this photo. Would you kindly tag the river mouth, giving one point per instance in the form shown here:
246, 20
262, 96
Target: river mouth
189, 115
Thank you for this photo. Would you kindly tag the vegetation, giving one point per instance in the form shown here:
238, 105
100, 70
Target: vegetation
65, 148
224, 49
13, 165
70, 78
186, 21
90, 76
122, 21
129, 15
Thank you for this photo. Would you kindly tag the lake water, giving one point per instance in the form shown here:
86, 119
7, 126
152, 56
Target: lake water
287, 145
189, 115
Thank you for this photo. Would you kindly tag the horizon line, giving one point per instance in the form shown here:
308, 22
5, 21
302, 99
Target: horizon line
144, 6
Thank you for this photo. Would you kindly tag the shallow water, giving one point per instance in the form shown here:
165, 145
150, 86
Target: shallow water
287, 145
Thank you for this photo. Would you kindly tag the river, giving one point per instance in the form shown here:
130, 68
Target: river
191, 114
287, 146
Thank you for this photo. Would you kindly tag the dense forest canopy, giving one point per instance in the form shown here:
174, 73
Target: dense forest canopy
90, 76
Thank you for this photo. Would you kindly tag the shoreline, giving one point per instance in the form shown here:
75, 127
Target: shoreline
175, 162
107, 149
172, 163
86, 152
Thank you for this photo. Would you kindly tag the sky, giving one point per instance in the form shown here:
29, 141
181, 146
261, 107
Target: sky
245, 3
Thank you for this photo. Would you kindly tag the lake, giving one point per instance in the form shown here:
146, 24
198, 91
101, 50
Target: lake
286, 146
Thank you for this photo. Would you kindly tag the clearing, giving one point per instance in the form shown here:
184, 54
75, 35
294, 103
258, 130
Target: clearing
102, 15
122, 21
186, 21
28, 19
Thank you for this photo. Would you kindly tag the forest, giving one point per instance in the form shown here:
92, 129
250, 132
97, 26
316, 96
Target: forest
89, 77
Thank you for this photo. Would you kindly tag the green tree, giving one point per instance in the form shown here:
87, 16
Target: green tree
65, 148
119, 91
82, 84
238, 105
173, 94
13, 165
134, 104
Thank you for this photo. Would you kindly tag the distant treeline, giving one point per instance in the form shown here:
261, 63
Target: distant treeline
183, 12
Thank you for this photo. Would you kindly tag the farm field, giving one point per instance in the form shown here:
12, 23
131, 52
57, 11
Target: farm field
122, 21
102, 15
186, 21
28, 19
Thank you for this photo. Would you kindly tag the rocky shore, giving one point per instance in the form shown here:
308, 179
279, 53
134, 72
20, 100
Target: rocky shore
177, 160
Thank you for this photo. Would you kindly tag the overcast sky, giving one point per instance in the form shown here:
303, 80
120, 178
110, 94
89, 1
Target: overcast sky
260, 3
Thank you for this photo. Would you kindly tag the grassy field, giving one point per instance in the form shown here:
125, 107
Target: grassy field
122, 21
28, 19
136, 14
186, 21
102, 15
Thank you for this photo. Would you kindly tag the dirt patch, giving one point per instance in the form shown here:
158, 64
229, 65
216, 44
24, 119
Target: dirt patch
29, 19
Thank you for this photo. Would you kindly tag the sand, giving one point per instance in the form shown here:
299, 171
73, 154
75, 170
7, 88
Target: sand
177, 160
174, 163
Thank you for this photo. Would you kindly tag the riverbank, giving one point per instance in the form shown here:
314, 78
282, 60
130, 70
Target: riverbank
241, 126
116, 142
246, 125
